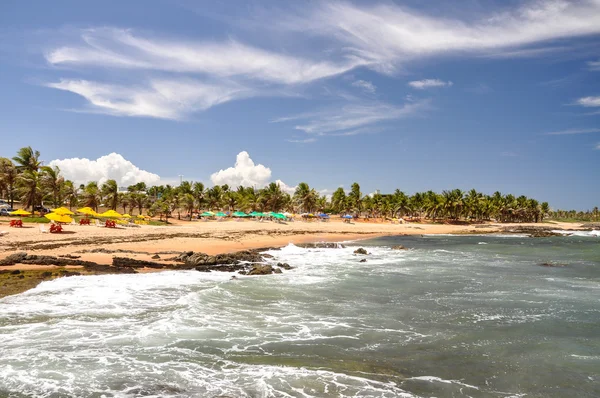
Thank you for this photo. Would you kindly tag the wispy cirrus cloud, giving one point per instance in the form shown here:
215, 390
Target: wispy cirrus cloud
597, 146
574, 131
388, 35
589, 102
365, 85
353, 119
121, 48
162, 99
429, 83
594, 65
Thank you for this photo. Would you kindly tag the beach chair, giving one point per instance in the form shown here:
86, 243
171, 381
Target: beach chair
2, 233
97, 223
43, 229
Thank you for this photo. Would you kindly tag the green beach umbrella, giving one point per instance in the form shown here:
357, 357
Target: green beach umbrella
256, 214
207, 214
279, 216
221, 214
240, 214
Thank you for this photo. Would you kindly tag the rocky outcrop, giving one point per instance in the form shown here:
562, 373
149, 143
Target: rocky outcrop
134, 263
360, 250
321, 245
285, 266
261, 269
533, 231
364, 260
24, 258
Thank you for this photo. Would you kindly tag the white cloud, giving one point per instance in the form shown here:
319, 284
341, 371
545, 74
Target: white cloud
244, 172
574, 131
120, 48
286, 188
305, 141
367, 86
109, 167
594, 65
589, 101
387, 34
598, 146
354, 119
429, 83
163, 99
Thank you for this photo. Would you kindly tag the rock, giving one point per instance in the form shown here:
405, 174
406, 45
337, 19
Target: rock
13, 258
133, 263
552, 265
156, 257
532, 231
284, 266
15, 272
399, 247
69, 256
360, 250
224, 259
108, 269
46, 274
183, 257
261, 269
364, 260
21, 276
277, 271
64, 272
321, 245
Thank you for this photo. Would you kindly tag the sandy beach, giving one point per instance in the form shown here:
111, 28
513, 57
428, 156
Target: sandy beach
211, 237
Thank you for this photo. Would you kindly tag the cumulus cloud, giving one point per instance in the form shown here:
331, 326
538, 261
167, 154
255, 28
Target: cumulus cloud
244, 172
286, 188
109, 167
162, 99
589, 102
429, 83
367, 86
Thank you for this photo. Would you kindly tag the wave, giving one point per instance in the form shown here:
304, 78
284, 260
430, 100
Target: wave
586, 234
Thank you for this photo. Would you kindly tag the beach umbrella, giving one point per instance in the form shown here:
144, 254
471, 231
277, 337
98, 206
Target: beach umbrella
323, 215
257, 214
207, 214
110, 214
240, 214
126, 216
348, 216
58, 217
221, 214
20, 212
279, 216
63, 211
142, 216
87, 211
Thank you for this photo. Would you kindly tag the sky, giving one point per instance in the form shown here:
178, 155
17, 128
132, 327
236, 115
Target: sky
492, 95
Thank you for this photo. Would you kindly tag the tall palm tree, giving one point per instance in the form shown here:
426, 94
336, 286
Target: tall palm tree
28, 164
272, 197
305, 197
53, 182
337, 200
110, 192
91, 195
8, 179
71, 193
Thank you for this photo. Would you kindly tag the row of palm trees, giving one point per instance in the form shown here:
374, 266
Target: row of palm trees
26, 179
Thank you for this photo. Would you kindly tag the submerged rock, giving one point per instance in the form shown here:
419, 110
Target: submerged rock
360, 250
364, 260
284, 266
399, 247
552, 265
321, 245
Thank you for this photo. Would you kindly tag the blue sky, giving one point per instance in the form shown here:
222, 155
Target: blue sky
491, 95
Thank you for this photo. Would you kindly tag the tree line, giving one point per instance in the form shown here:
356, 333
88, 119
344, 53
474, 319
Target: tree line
26, 179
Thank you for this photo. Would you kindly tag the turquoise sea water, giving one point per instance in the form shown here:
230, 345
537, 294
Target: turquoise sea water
454, 316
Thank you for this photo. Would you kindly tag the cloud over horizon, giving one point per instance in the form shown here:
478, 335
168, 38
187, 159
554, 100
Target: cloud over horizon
109, 167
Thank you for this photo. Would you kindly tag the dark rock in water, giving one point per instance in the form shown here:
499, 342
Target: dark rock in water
155, 257
15, 272
224, 259
364, 260
24, 258
321, 245
360, 250
532, 231
261, 269
46, 274
133, 263
284, 266
64, 272
277, 271
183, 257
21, 276
399, 247
552, 265
108, 269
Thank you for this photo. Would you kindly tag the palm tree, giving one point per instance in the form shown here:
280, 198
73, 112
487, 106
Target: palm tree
337, 200
110, 192
305, 197
8, 179
272, 197
71, 193
355, 197
91, 195
53, 182
198, 191
28, 164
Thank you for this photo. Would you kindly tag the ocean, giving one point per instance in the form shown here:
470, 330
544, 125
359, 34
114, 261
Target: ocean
453, 316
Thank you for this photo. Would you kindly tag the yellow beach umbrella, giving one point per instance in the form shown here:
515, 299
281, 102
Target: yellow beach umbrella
20, 212
87, 210
126, 216
58, 217
142, 216
110, 214
63, 211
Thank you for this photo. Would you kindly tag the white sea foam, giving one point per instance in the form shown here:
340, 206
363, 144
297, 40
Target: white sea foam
586, 234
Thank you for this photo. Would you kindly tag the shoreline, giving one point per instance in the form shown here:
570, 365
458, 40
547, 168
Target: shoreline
100, 245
